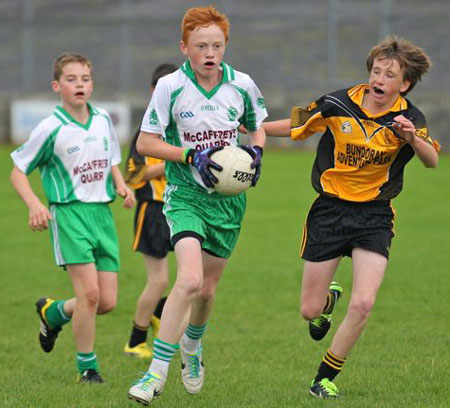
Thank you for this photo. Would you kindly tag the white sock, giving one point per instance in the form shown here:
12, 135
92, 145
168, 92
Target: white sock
190, 345
160, 366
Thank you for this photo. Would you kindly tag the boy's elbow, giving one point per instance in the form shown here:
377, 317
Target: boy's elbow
432, 164
140, 145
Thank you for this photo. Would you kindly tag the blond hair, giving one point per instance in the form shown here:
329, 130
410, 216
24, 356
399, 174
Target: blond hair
67, 58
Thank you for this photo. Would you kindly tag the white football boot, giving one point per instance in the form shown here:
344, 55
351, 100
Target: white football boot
192, 370
149, 387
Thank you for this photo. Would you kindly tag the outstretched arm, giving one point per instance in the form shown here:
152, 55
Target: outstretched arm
39, 215
425, 152
278, 128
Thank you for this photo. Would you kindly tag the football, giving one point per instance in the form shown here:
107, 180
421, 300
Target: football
236, 175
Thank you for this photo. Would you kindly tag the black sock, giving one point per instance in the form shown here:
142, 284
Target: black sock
138, 335
330, 367
159, 307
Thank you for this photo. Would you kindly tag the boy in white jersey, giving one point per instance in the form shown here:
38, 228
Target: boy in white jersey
77, 153
194, 112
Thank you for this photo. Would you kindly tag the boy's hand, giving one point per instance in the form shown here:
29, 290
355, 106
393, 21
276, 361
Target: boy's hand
404, 128
127, 195
39, 217
202, 161
256, 152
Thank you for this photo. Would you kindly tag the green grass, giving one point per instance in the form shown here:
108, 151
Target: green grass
257, 349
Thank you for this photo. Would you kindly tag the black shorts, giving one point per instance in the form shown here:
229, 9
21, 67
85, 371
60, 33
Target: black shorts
151, 233
334, 227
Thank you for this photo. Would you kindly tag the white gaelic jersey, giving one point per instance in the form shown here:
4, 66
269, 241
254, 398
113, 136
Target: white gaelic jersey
188, 116
74, 159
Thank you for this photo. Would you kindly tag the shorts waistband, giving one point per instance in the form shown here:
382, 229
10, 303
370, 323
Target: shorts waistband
356, 204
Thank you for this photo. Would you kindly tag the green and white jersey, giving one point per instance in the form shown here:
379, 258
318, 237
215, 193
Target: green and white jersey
187, 116
74, 159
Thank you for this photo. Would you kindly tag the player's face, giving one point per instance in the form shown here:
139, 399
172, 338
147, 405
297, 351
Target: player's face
205, 49
75, 84
386, 82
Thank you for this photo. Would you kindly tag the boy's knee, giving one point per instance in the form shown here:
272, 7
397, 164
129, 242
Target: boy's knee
207, 293
90, 297
190, 287
361, 307
106, 306
310, 311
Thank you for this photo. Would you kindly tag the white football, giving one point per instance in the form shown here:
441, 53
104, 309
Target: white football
236, 175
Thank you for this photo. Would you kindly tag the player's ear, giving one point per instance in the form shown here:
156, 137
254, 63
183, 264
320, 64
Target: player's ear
55, 86
183, 47
404, 86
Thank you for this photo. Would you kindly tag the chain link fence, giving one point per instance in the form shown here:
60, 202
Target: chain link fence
295, 50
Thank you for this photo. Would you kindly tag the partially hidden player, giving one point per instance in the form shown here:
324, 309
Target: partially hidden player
77, 153
194, 112
146, 175
369, 133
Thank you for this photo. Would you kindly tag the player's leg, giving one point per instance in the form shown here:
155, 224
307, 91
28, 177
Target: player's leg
174, 318
85, 283
53, 315
316, 281
319, 296
157, 282
368, 273
107, 283
192, 368
152, 239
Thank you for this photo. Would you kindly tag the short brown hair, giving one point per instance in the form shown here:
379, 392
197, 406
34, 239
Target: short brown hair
161, 71
67, 58
413, 60
203, 17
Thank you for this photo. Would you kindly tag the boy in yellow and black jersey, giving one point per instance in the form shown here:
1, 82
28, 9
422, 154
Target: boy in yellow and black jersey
359, 157
146, 176
369, 133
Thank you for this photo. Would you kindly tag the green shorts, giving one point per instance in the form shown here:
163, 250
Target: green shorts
84, 233
215, 218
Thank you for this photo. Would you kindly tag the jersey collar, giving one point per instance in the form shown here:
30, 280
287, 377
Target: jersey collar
227, 76
356, 94
66, 118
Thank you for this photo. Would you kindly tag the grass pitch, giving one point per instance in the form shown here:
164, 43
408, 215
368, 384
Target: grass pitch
257, 349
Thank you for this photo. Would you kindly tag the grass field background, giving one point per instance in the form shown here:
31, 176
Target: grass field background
257, 349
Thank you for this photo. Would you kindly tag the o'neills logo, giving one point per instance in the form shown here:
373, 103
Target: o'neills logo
346, 127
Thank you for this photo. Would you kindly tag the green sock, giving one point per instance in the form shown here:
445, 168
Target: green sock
164, 351
86, 361
55, 315
195, 332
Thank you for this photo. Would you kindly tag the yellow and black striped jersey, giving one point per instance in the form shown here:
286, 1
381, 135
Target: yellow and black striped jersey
359, 157
145, 190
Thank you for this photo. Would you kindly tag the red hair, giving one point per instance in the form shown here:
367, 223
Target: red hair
203, 17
